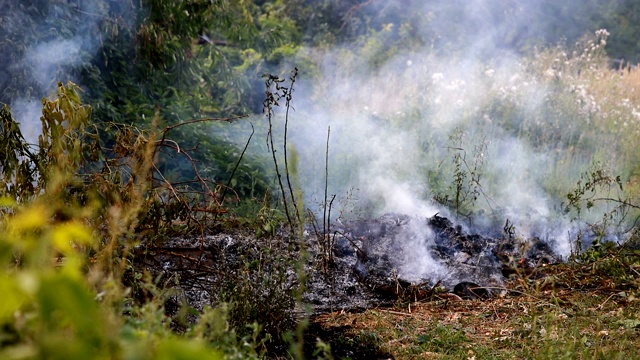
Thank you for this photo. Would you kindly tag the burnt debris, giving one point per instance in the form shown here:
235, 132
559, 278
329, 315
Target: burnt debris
402, 257
374, 262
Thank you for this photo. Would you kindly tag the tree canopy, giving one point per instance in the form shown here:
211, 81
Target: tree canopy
181, 60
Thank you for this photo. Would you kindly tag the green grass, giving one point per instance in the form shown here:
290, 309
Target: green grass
586, 312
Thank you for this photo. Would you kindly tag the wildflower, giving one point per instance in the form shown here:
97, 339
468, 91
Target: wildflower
550, 73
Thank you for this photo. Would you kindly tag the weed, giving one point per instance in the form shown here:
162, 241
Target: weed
79, 218
272, 100
465, 187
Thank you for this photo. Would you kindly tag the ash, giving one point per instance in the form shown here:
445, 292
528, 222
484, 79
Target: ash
372, 263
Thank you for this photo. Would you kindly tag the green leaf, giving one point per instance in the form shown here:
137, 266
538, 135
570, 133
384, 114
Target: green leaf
13, 299
175, 349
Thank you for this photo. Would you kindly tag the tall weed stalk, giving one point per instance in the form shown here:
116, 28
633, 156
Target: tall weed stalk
275, 92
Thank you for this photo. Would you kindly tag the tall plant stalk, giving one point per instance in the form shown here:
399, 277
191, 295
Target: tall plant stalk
288, 96
272, 99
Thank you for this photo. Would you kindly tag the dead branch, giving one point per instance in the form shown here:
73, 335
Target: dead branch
354, 9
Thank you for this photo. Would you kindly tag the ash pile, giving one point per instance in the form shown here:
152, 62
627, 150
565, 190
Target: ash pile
402, 257
359, 265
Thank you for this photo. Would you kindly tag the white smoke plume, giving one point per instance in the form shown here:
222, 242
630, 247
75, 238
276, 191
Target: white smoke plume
391, 116
72, 39
391, 125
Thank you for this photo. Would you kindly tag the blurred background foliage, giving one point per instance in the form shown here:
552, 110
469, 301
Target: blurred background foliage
182, 60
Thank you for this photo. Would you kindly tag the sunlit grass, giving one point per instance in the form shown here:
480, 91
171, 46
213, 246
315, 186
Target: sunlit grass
575, 313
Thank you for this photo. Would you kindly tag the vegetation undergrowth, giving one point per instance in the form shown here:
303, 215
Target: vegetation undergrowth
584, 309
78, 216
77, 222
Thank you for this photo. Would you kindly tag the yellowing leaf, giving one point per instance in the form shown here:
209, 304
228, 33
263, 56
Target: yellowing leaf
29, 282
12, 299
66, 234
29, 219
7, 201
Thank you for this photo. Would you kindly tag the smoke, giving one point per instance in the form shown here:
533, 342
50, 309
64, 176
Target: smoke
392, 119
394, 107
28, 112
65, 35
418, 263
55, 57
49, 62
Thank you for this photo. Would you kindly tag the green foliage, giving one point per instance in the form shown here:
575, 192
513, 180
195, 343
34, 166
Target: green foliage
464, 186
443, 339
154, 60
215, 329
587, 190
18, 171
65, 144
51, 307
264, 277
72, 213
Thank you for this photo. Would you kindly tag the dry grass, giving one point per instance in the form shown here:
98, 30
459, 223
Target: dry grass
578, 311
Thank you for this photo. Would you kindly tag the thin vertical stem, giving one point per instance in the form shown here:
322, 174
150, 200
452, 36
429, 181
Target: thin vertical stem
288, 96
326, 184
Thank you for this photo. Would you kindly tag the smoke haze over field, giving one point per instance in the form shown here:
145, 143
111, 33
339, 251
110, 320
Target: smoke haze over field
434, 80
392, 124
65, 37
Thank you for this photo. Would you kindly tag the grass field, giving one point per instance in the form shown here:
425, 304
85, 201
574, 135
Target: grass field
575, 311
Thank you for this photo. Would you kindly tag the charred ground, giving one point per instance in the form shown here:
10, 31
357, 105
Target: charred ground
481, 281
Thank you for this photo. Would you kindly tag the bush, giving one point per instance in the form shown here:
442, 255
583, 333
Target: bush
72, 214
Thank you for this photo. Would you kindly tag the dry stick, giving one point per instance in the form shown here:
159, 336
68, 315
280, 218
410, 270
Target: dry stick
183, 201
194, 121
333, 197
393, 312
193, 164
619, 201
353, 10
326, 222
330, 245
162, 141
353, 243
314, 224
169, 185
268, 104
521, 293
224, 192
202, 181
228, 186
288, 94
326, 183
609, 298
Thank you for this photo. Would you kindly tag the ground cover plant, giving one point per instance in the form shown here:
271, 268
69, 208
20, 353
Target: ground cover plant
579, 310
